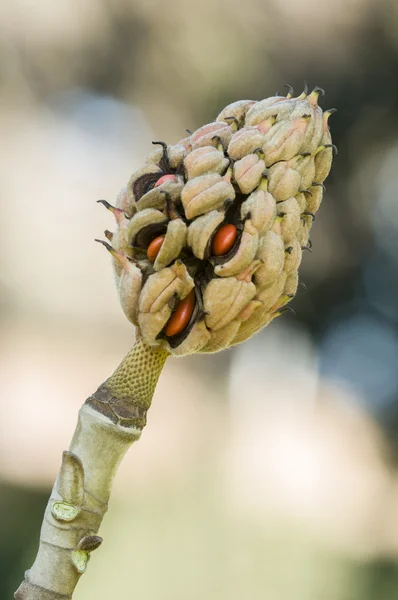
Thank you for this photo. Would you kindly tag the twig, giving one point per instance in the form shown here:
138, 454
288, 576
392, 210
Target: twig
108, 423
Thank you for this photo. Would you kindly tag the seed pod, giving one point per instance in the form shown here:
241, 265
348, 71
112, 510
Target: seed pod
224, 299
161, 287
272, 254
211, 135
301, 199
306, 168
123, 202
205, 193
270, 294
174, 156
174, 241
157, 296
195, 341
227, 212
157, 198
129, 288
254, 324
235, 111
293, 256
323, 163
289, 222
303, 232
245, 141
291, 284
277, 107
222, 337
284, 140
261, 207
142, 181
205, 160
200, 232
313, 200
186, 144
248, 172
144, 226
283, 180
243, 255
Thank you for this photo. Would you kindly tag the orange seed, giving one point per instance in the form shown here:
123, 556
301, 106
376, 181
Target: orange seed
154, 247
223, 240
181, 316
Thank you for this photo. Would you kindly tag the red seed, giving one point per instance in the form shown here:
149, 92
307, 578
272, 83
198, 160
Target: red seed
181, 316
164, 179
223, 240
154, 247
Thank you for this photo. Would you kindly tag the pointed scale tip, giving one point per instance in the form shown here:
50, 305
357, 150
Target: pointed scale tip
121, 258
290, 90
304, 93
313, 97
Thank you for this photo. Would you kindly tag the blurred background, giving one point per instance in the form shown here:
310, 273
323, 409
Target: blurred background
267, 471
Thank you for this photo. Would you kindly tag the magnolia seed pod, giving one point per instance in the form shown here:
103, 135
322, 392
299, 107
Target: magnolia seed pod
129, 288
123, 202
223, 300
171, 158
283, 180
245, 141
206, 159
200, 232
293, 255
313, 199
284, 140
205, 193
210, 232
223, 337
270, 294
248, 172
235, 112
161, 287
303, 232
291, 284
323, 163
301, 199
289, 219
174, 241
158, 296
142, 181
243, 254
271, 252
261, 207
144, 226
196, 340
306, 168
157, 197
211, 135
277, 107
258, 320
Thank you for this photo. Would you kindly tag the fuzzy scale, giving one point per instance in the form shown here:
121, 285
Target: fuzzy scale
260, 166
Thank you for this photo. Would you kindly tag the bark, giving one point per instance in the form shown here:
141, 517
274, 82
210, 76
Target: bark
108, 423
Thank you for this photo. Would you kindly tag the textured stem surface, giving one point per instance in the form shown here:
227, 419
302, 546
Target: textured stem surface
108, 423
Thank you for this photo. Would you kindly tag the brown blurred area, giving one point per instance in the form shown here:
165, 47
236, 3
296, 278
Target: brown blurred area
267, 471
